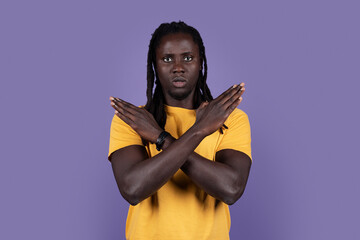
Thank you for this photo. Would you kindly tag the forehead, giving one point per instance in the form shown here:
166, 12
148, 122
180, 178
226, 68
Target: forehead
177, 43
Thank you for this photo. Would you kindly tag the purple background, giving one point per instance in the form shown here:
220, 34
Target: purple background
60, 62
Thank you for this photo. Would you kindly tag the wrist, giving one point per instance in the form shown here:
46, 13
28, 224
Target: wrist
197, 131
156, 135
161, 140
168, 141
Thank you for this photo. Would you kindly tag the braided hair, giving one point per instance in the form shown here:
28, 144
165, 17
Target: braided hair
155, 100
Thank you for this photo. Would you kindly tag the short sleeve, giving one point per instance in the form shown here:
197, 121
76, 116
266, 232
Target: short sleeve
122, 135
237, 136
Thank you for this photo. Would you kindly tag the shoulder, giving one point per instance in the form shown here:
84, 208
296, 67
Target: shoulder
237, 136
119, 127
237, 115
116, 121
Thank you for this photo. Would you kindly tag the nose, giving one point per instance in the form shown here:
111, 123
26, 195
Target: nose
178, 67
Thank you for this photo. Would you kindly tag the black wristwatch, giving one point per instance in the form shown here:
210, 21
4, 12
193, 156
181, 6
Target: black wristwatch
161, 139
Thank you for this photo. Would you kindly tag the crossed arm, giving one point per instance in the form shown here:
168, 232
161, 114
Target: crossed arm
139, 176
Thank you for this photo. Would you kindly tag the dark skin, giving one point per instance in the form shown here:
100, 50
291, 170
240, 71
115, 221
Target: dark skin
137, 175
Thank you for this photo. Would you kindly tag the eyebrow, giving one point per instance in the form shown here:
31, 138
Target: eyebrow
172, 54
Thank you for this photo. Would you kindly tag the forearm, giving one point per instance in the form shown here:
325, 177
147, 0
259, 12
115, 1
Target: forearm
215, 178
146, 177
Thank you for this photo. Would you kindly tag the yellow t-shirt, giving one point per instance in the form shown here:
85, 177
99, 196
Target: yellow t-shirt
179, 209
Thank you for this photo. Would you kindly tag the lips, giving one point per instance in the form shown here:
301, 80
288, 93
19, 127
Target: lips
179, 82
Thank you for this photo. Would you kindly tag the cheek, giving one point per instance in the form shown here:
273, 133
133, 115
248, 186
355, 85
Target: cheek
162, 73
195, 66
194, 70
160, 69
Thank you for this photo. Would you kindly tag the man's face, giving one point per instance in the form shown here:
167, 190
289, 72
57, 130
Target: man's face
178, 65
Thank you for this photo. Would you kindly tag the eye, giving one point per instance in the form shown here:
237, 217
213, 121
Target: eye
188, 58
167, 59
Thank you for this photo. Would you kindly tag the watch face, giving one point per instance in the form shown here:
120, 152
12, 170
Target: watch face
161, 139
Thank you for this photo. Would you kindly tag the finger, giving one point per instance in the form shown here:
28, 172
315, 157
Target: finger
234, 97
120, 108
118, 100
231, 93
126, 106
126, 103
226, 92
232, 107
127, 120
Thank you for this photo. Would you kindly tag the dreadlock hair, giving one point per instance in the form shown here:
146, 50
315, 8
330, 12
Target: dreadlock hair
155, 101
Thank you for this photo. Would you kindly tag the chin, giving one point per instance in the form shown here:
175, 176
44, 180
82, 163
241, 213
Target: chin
179, 95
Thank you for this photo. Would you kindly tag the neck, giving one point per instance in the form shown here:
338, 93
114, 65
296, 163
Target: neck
187, 103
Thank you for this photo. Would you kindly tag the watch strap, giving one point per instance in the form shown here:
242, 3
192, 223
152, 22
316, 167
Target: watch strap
161, 139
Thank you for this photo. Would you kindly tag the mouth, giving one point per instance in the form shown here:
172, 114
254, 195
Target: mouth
179, 82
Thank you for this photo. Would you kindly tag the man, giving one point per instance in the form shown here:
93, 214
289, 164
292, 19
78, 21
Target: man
184, 157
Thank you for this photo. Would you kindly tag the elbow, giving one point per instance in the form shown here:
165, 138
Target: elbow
130, 198
235, 190
234, 194
130, 195
132, 202
129, 190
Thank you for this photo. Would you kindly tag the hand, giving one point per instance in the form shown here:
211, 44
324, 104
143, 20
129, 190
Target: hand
139, 119
210, 116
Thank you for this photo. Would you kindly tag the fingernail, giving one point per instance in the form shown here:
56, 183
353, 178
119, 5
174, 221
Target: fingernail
113, 104
116, 112
111, 98
242, 84
243, 89
234, 86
